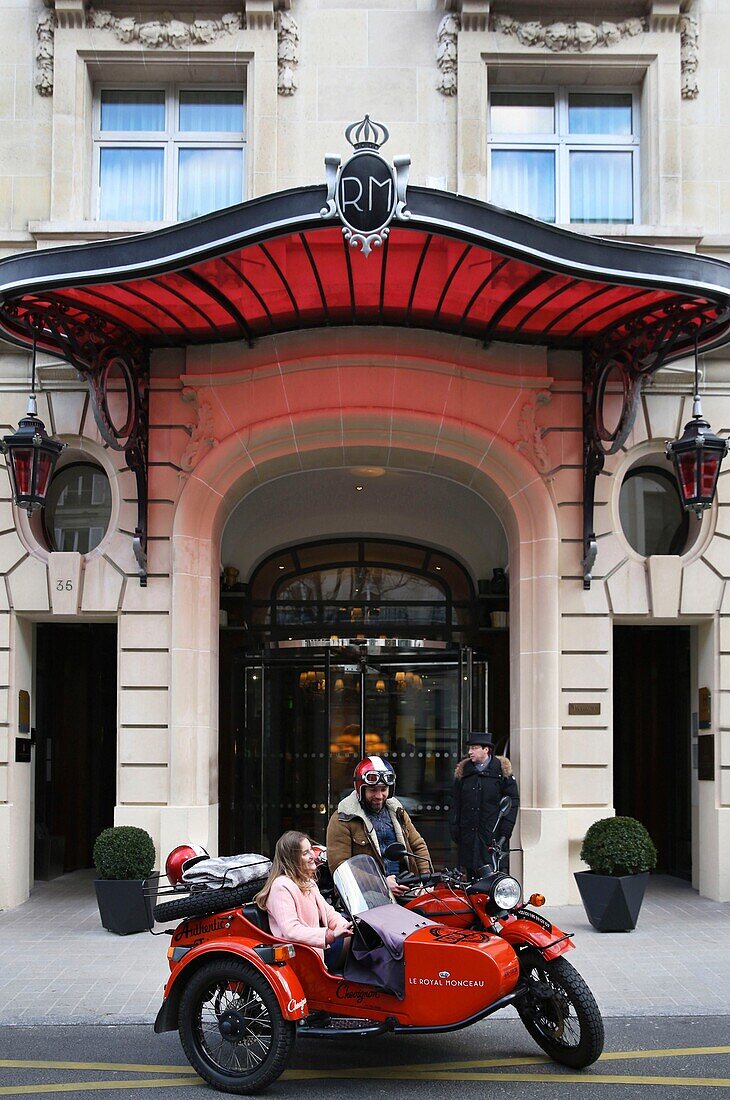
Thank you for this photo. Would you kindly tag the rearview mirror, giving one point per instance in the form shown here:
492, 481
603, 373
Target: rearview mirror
395, 851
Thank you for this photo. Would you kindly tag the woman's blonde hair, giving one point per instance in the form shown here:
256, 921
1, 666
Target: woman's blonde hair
287, 861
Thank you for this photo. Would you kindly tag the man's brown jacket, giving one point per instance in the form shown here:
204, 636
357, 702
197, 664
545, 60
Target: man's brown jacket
350, 833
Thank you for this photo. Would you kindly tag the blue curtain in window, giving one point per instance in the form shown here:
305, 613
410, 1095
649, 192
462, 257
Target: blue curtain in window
123, 110
208, 179
131, 184
211, 112
600, 114
524, 180
601, 187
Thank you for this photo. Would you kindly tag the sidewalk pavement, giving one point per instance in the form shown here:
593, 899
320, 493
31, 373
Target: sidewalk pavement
59, 966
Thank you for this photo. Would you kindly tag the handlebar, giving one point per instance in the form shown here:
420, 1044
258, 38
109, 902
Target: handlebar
433, 878
455, 877
408, 878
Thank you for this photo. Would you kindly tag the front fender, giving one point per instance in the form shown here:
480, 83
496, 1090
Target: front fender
535, 930
282, 979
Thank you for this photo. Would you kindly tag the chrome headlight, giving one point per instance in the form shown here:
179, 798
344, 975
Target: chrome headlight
506, 893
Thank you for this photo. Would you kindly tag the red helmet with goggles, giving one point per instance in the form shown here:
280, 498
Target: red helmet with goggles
373, 772
180, 858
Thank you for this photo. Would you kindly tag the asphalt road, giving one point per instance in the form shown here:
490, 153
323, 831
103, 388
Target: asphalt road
644, 1057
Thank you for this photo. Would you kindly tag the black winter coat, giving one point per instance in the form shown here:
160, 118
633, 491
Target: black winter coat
475, 805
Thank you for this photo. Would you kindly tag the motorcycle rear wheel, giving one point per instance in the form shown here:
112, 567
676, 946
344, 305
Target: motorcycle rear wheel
231, 1028
560, 1012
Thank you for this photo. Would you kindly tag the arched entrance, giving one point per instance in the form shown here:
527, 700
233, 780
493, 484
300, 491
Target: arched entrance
470, 457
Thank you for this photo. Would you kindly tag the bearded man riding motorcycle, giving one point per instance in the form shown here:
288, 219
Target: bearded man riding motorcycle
369, 819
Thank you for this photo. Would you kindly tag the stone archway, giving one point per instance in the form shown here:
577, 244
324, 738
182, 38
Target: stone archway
464, 452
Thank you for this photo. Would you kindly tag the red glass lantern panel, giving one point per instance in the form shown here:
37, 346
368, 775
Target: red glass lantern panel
43, 473
710, 470
687, 472
22, 462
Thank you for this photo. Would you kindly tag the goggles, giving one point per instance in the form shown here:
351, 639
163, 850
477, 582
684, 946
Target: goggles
378, 779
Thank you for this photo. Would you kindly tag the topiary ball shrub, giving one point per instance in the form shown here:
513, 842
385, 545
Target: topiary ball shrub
124, 852
618, 846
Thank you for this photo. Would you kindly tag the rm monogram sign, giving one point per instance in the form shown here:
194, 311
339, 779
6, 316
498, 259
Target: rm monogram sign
366, 193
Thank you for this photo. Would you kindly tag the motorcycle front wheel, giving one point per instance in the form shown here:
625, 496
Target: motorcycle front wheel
232, 1029
560, 1012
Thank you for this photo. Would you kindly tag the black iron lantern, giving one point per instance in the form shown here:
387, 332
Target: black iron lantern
697, 457
31, 455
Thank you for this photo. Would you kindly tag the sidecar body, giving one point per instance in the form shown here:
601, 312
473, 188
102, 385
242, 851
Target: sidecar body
451, 977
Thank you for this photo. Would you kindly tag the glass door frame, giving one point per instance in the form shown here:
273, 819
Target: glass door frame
254, 670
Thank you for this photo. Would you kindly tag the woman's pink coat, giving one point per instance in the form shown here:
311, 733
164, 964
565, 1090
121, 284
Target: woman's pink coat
301, 917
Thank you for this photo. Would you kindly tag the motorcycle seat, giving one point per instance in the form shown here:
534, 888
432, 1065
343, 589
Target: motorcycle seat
257, 917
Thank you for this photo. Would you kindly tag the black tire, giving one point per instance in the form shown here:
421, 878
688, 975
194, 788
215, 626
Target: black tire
205, 902
560, 1012
235, 997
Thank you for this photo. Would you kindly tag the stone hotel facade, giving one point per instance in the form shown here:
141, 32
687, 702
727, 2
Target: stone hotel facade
317, 503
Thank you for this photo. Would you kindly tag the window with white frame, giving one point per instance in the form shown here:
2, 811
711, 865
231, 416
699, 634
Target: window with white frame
168, 153
564, 155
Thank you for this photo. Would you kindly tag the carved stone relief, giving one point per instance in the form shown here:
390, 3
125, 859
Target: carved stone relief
446, 54
531, 441
202, 432
44, 54
174, 34
689, 34
561, 36
287, 33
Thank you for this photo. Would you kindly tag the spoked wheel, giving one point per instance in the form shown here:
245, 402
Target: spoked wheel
231, 1028
560, 1012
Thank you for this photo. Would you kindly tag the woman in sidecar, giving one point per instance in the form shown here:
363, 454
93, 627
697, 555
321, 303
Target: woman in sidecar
297, 911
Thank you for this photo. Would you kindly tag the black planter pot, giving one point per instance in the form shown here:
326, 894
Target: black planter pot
124, 907
612, 902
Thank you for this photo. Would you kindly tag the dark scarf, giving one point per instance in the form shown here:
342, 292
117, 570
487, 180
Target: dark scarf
385, 832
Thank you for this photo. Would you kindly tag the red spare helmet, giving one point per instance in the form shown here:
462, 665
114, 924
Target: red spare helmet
320, 853
373, 772
180, 858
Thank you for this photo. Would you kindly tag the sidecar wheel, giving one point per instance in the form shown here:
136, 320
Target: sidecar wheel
232, 1029
560, 1012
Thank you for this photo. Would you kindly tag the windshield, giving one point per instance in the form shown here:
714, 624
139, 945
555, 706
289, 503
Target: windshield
360, 884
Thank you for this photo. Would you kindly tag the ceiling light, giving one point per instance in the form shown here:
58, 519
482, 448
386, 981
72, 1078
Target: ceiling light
368, 471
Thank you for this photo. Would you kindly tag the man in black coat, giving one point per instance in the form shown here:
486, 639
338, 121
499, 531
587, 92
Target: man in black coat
481, 780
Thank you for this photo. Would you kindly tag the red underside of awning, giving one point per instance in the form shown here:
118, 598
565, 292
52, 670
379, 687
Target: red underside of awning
315, 278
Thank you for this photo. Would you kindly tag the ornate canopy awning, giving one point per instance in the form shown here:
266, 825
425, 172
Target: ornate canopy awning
446, 262
275, 264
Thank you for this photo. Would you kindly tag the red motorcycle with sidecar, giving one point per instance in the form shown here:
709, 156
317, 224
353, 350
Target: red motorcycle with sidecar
454, 954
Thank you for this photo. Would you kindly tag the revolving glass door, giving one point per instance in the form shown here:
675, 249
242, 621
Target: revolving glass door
307, 718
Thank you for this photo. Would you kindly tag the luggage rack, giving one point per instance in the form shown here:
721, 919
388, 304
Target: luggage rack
153, 887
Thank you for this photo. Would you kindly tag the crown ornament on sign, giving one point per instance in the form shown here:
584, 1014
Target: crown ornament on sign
367, 134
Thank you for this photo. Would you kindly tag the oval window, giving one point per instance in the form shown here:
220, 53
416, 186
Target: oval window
652, 516
78, 508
